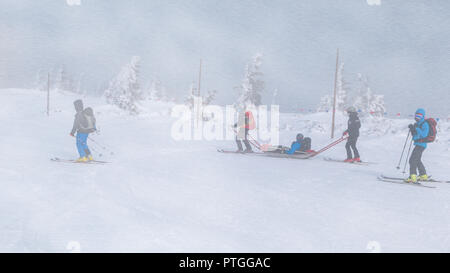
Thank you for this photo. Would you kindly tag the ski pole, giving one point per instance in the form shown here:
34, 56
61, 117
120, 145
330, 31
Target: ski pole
101, 146
96, 151
406, 161
403, 151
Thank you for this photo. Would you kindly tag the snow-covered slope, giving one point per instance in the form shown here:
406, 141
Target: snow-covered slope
160, 195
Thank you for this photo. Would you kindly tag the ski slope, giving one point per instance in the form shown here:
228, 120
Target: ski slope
162, 195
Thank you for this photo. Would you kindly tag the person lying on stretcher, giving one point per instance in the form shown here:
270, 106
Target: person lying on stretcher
302, 145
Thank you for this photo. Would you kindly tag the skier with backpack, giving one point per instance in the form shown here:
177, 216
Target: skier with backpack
245, 123
83, 125
354, 124
423, 132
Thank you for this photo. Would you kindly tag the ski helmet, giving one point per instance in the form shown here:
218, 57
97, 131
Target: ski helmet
299, 137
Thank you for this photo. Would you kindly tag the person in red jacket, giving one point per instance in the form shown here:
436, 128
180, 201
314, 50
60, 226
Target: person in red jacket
245, 123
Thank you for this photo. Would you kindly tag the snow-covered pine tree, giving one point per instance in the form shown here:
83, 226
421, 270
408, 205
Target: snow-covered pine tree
326, 104
210, 97
79, 85
41, 80
341, 90
135, 71
156, 92
63, 81
342, 99
124, 90
190, 100
361, 100
252, 86
58, 78
274, 96
367, 102
206, 100
377, 107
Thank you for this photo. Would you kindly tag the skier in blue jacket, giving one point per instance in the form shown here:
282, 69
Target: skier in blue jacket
419, 131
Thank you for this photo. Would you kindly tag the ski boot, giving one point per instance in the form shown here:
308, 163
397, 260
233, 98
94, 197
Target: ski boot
248, 151
357, 159
82, 159
423, 177
348, 160
90, 158
411, 179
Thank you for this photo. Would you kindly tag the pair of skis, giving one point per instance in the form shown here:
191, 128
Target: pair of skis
353, 162
57, 159
267, 154
398, 180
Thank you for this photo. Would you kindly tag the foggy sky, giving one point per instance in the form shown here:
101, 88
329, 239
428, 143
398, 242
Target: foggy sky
402, 46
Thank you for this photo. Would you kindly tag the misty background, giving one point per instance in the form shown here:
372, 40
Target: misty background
403, 47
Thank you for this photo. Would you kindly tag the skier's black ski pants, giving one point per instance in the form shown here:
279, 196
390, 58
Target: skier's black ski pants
246, 142
351, 143
415, 161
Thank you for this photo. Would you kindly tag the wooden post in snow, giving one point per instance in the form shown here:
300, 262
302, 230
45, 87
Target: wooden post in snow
334, 96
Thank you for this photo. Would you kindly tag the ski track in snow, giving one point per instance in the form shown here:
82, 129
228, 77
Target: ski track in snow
160, 195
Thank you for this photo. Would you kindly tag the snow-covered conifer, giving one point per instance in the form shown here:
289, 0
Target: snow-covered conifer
367, 102
326, 104
62, 80
156, 91
124, 90
342, 98
252, 86
342, 89
41, 80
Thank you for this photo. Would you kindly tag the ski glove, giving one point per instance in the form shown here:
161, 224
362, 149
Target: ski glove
412, 129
